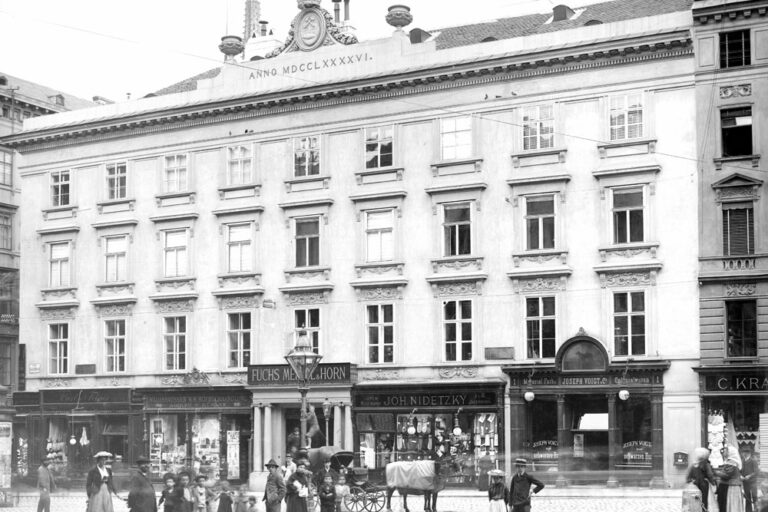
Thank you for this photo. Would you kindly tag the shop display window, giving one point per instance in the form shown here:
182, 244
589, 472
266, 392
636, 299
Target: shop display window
734, 419
56, 444
636, 430
168, 443
543, 434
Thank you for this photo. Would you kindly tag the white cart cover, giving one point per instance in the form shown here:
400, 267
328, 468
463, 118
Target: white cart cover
418, 475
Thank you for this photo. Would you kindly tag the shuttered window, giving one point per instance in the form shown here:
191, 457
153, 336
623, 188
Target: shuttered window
735, 49
738, 229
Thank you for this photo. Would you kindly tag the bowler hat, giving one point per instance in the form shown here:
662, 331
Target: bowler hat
271, 463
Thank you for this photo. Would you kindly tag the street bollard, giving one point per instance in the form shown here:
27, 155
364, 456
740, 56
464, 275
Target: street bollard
692, 499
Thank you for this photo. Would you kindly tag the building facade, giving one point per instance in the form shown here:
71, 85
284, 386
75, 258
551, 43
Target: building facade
731, 88
472, 225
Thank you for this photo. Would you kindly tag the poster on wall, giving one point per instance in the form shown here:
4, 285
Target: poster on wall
578, 446
5, 454
233, 454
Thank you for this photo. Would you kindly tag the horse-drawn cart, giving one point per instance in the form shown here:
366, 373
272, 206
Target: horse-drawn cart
364, 496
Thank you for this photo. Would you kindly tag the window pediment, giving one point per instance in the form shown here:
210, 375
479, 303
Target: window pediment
737, 187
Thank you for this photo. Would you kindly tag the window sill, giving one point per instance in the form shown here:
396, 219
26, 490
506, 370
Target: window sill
741, 360
546, 156
627, 147
457, 166
115, 288
629, 250
540, 256
59, 212
58, 293
231, 191
174, 198
117, 205
725, 160
307, 273
307, 183
238, 278
457, 264
379, 268
166, 284
379, 174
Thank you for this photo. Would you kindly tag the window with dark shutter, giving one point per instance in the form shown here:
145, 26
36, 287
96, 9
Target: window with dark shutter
738, 230
736, 128
734, 49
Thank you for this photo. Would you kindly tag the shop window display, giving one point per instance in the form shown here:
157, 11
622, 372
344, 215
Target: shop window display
635, 423
734, 421
543, 438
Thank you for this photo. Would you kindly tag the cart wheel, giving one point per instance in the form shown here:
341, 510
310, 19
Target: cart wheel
375, 501
355, 500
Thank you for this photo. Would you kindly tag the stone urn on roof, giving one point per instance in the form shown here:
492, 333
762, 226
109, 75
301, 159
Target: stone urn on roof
399, 16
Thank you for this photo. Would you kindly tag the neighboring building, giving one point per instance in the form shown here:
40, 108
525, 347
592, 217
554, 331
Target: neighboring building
731, 87
20, 100
446, 213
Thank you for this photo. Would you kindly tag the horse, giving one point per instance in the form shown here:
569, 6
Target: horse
416, 477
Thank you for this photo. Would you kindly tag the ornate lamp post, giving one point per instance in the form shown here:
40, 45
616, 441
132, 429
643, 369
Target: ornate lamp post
303, 361
326, 414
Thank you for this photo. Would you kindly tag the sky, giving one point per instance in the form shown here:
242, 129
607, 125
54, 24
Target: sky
112, 49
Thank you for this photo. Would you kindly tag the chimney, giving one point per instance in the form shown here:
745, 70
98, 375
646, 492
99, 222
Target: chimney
418, 35
346, 12
263, 30
561, 13
336, 11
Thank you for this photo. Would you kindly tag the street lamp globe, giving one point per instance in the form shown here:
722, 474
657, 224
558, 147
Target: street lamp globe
303, 359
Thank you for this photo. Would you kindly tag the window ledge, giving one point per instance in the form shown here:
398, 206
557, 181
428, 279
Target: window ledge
60, 209
629, 274
450, 285
243, 210
307, 273
741, 360
175, 283
238, 278
61, 292
58, 230
457, 264
174, 217
256, 187
719, 162
115, 287
379, 268
110, 301
396, 172
295, 184
629, 250
475, 162
539, 280
115, 224
540, 256
228, 292
115, 202
189, 194
539, 157
627, 147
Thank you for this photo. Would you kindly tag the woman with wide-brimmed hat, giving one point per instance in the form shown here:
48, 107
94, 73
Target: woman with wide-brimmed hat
297, 488
99, 485
498, 494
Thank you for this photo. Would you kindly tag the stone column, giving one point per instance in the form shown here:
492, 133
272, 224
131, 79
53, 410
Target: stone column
268, 444
562, 436
258, 454
657, 438
349, 444
613, 440
337, 425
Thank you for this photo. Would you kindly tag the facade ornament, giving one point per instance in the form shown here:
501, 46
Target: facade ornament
306, 298
57, 383
59, 293
114, 290
114, 381
628, 279
49, 314
124, 309
462, 264
380, 293
581, 332
740, 289
163, 285
381, 374
174, 306
539, 284
312, 28
399, 16
172, 380
234, 378
746, 193
238, 302
196, 376
459, 288
225, 281
735, 91
458, 372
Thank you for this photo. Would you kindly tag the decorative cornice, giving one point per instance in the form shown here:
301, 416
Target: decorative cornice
735, 91
458, 372
674, 45
58, 313
745, 289
719, 13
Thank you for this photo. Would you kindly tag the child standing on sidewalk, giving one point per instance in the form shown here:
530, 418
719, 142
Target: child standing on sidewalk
498, 494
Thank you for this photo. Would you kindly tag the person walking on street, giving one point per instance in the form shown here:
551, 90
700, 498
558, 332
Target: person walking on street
185, 484
201, 495
46, 483
498, 494
225, 498
141, 496
520, 488
297, 488
172, 495
729, 497
274, 491
700, 474
99, 485
326, 470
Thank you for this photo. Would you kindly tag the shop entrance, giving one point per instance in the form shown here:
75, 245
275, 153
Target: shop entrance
589, 432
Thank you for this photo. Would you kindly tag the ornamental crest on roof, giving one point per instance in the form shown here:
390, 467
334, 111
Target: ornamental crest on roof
312, 28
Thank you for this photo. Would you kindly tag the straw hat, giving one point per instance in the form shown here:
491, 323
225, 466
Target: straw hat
101, 454
496, 472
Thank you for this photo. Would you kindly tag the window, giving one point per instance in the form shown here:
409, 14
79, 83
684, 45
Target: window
239, 165
175, 253
58, 348
628, 215
239, 248
734, 49
456, 137
6, 167
59, 256
378, 147
117, 180
538, 127
457, 330
5, 364
60, 181
457, 232
540, 326
306, 156
6, 232
380, 326
116, 258
7, 112
175, 174
308, 319
626, 117
175, 340
114, 339
379, 228
540, 222
738, 229
307, 242
736, 131
239, 334
742, 328
629, 323
17, 114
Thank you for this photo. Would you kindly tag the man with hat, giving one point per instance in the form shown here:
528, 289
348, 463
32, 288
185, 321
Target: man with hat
326, 470
274, 492
520, 491
141, 496
289, 467
46, 484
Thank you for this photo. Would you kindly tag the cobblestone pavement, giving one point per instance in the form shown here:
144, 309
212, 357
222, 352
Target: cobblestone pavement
445, 504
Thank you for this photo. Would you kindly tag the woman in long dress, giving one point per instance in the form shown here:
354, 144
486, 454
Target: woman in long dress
729, 492
99, 485
700, 474
297, 488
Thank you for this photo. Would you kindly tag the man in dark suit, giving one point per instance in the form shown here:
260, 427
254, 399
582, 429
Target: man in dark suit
141, 496
274, 491
46, 484
750, 470
520, 491
322, 472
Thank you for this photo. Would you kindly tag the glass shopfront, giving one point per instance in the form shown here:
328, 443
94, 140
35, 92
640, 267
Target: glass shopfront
460, 425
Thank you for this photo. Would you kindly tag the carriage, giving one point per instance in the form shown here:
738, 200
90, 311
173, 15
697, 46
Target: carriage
364, 496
